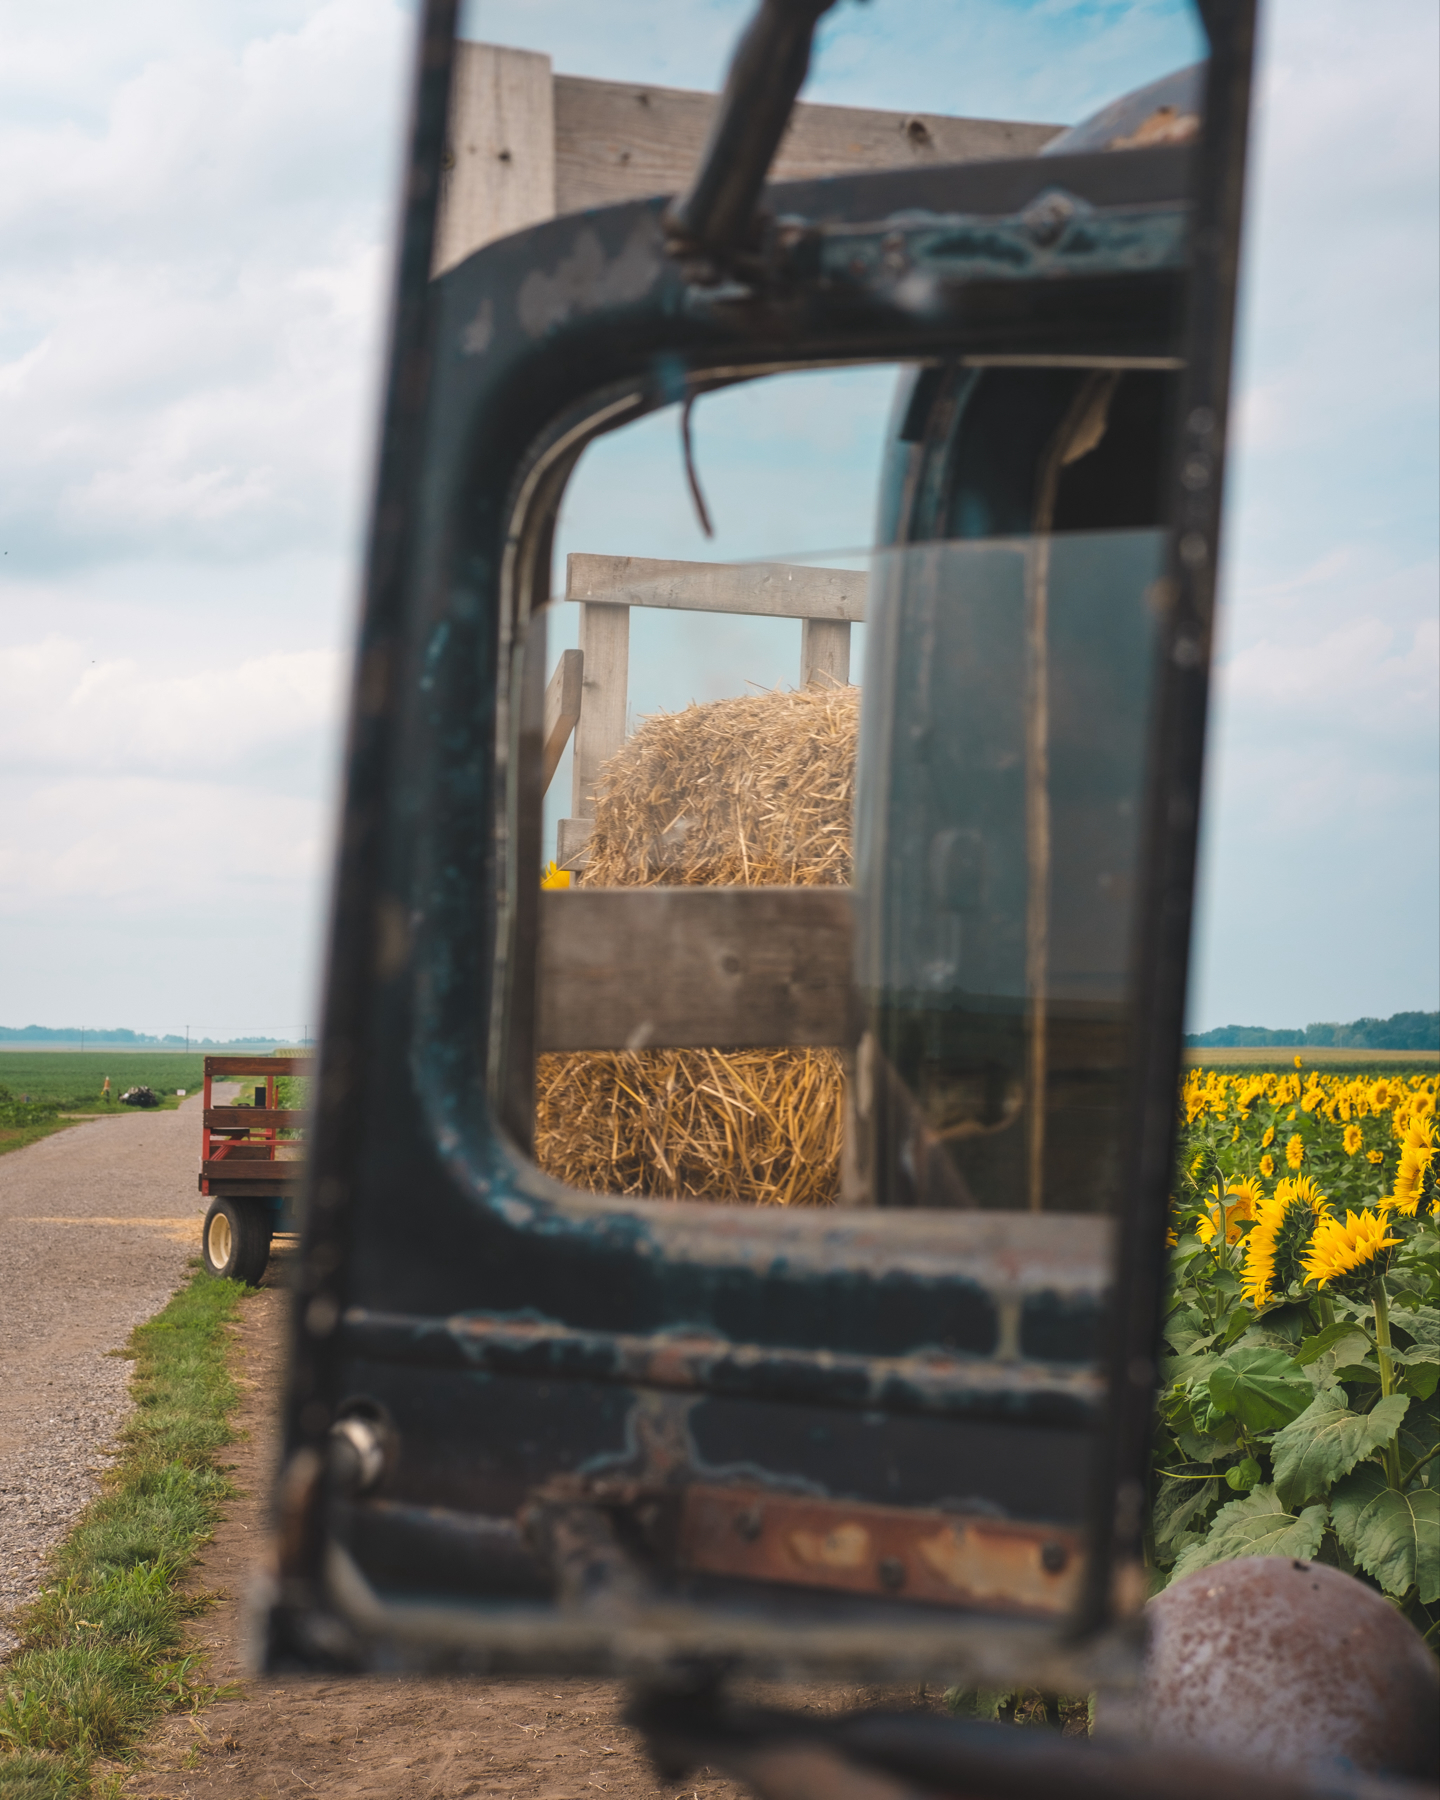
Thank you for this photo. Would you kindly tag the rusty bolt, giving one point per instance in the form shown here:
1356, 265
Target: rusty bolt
750, 1523
891, 1571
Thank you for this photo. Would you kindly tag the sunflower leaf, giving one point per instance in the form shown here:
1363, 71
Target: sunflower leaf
1258, 1525
1422, 1323
1176, 1504
1394, 1537
1260, 1388
1313, 1348
1243, 1476
1327, 1441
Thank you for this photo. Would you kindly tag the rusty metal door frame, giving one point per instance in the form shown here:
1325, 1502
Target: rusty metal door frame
435, 1256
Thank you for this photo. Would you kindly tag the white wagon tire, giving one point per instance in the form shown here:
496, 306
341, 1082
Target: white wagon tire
235, 1240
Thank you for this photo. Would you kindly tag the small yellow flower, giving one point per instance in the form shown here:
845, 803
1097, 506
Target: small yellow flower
1353, 1139
1298, 1063
1197, 1164
1267, 1166
1295, 1151
554, 877
1375, 1156
1269, 1137
1235, 1135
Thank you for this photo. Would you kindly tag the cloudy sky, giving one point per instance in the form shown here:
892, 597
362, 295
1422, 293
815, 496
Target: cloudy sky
195, 219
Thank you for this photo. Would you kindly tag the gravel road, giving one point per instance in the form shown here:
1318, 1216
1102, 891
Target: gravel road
97, 1225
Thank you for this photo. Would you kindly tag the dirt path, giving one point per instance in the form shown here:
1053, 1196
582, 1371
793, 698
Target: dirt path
381, 1738
97, 1226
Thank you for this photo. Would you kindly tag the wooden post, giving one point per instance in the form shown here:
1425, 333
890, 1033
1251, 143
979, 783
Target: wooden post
605, 645
824, 651
561, 712
500, 161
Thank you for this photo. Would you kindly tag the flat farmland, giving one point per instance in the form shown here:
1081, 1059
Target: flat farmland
1335, 1062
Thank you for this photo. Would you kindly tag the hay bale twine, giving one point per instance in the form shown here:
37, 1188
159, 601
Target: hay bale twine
756, 791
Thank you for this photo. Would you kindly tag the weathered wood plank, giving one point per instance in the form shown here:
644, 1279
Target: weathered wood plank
259, 1065
623, 140
572, 841
253, 1118
784, 590
825, 651
269, 1174
562, 711
605, 645
693, 967
499, 171
525, 145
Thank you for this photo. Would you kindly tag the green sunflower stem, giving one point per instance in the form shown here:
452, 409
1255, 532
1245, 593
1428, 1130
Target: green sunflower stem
1381, 1302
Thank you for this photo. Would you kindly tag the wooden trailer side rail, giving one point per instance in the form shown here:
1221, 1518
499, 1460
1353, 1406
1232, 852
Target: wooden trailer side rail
242, 1143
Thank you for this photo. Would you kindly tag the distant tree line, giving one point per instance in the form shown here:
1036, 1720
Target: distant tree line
1401, 1031
121, 1040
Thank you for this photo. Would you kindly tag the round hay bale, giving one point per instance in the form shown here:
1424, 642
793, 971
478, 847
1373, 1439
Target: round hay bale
756, 791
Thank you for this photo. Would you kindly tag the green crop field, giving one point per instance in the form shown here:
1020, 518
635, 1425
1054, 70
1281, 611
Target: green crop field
38, 1087
74, 1077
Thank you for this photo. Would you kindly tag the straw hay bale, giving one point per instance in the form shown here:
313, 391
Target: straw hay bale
756, 791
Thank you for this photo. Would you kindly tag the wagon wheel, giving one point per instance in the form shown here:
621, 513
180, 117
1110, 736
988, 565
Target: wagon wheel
235, 1241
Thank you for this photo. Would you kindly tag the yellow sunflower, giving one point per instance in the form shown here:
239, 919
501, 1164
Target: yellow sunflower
1352, 1256
1269, 1137
1414, 1179
1353, 1139
1267, 1166
1238, 1205
1295, 1150
1284, 1222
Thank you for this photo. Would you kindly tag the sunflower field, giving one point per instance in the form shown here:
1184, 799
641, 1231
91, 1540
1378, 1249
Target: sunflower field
1297, 1411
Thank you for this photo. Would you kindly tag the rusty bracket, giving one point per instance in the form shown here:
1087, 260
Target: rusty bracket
944, 1559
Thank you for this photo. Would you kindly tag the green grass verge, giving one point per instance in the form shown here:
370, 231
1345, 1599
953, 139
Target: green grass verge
101, 1652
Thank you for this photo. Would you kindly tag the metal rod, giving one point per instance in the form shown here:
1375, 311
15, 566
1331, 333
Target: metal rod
714, 219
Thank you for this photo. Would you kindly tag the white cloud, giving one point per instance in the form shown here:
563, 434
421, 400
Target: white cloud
191, 294
62, 710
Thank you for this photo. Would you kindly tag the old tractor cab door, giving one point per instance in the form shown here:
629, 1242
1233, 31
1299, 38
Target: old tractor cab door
615, 1350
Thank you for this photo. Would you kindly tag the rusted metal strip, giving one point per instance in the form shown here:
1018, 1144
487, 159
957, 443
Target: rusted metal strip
930, 1384
946, 1559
